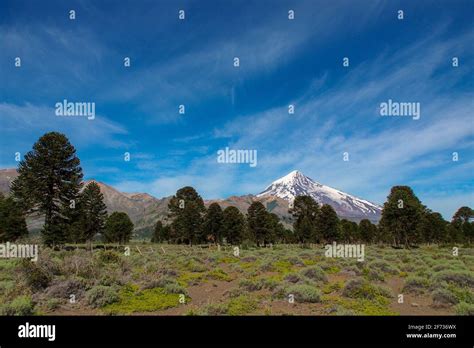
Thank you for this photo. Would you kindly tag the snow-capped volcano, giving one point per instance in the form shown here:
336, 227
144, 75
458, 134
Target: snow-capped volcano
348, 206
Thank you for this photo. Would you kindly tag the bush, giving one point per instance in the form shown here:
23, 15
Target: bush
416, 285
109, 256
443, 297
35, 276
314, 273
464, 309
292, 278
382, 266
304, 293
250, 285
175, 288
100, 296
215, 309
460, 278
373, 274
20, 306
64, 288
360, 288
52, 304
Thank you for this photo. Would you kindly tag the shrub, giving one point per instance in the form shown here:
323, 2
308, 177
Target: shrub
443, 297
195, 266
215, 309
158, 283
292, 278
80, 264
416, 285
461, 278
374, 274
219, 274
250, 285
464, 308
64, 288
360, 288
304, 293
109, 256
20, 306
52, 304
100, 296
382, 266
35, 276
295, 261
314, 273
175, 288
241, 305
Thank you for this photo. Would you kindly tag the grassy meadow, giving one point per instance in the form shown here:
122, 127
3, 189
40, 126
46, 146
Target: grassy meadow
162, 279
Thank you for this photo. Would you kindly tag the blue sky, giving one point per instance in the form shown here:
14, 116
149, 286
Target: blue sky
282, 62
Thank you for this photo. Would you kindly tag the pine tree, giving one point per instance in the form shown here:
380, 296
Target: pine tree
367, 231
233, 225
186, 210
213, 221
12, 220
118, 228
401, 215
49, 181
327, 224
93, 212
257, 221
305, 211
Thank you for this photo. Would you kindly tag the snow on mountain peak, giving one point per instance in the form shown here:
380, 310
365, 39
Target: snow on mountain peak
296, 184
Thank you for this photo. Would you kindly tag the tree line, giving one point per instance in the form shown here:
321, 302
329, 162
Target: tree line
50, 183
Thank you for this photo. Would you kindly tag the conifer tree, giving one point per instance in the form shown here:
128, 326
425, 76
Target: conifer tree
92, 212
305, 212
233, 225
258, 225
213, 221
327, 224
118, 228
186, 210
401, 216
12, 220
49, 181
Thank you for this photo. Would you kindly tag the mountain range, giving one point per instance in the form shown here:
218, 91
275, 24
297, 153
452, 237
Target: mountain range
144, 210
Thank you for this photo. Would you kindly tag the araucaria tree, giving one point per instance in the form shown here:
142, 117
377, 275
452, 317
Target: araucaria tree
49, 181
92, 212
12, 220
186, 209
463, 224
367, 231
327, 224
305, 213
233, 225
118, 228
258, 224
212, 227
401, 216
161, 233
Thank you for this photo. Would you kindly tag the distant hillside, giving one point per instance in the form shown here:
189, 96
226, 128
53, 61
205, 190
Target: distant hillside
145, 210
